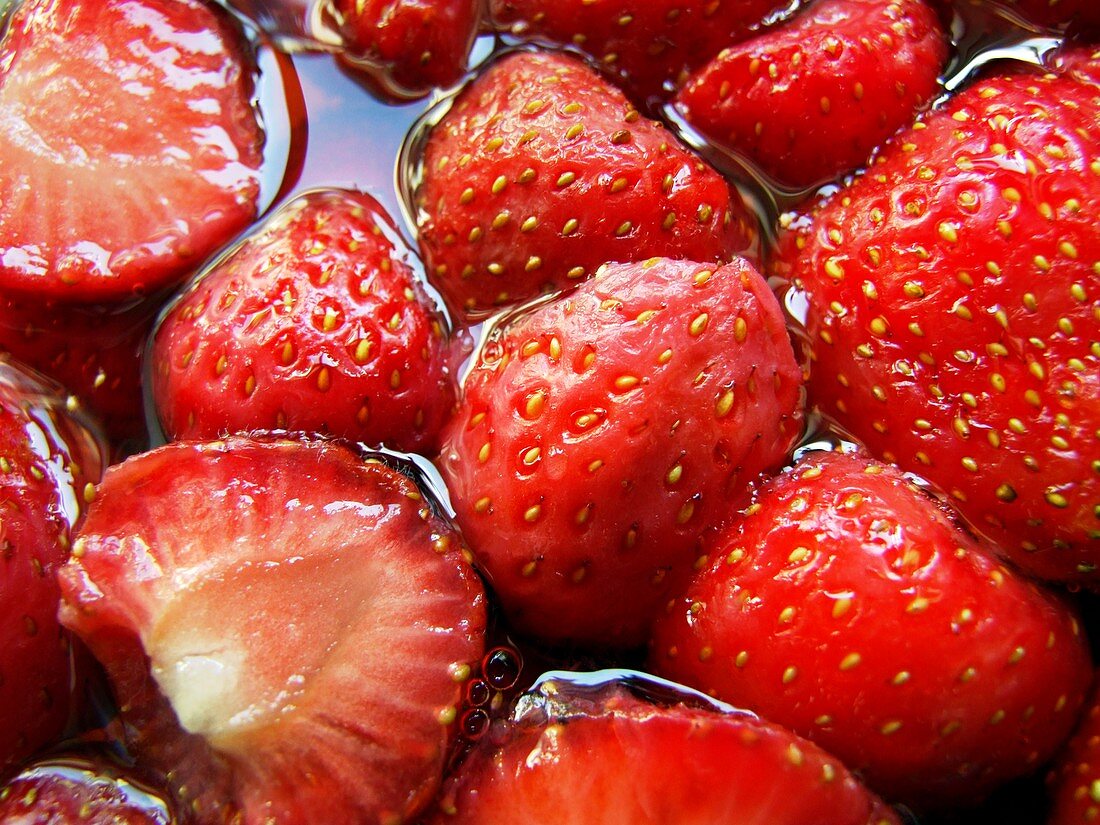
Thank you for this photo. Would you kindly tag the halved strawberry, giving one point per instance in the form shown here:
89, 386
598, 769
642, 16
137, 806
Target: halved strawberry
542, 171
317, 323
809, 100
647, 47
76, 790
47, 459
595, 752
848, 605
287, 627
600, 434
954, 312
412, 46
129, 147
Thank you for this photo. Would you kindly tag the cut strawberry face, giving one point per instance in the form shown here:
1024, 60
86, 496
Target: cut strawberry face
412, 46
954, 313
592, 753
542, 171
600, 434
809, 100
648, 48
129, 147
47, 459
307, 623
316, 323
847, 605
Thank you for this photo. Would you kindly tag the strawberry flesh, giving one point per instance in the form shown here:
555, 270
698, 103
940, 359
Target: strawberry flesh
541, 172
600, 434
129, 148
847, 605
306, 621
592, 752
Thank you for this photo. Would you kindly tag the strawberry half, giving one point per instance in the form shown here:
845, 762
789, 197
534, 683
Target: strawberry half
809, 100
412, 46
286, 627
47, 459
129, 147
848, 605
316, 322
600, 434
954, 312
591, 752
541, 172
647, 48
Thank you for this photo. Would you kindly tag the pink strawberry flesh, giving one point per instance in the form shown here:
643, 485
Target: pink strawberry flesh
129, 148
286, 627
581, 750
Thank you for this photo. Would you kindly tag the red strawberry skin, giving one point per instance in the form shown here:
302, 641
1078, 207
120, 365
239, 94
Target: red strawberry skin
648, 48
135, 114
46, 459
541, 172
809, 100
600, 434
412, 45
286, 627
74, 790
953, 313
849, 606
317, 323
1075, 778
595, 754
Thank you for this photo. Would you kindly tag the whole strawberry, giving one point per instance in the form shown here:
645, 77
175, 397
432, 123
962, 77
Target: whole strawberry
953, 312
49, 460
287, 628
129, 147
316, 322
809, 100
1074, 782
593, 749
848, 605
601, 434
647, 48
542, 171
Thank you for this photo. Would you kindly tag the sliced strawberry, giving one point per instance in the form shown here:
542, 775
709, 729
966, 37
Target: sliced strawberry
413, 46
286, 627
316, 322
954, 312
47, 458
602, 433
77, 791
129, 147
809, 100
647, 47
848, 605
95, 351
541, 172
1075, 780
593, 753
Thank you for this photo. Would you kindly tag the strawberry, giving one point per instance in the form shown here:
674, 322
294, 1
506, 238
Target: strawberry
541, 172
129, 148
413, 46
1075, 780
47, 458
286, 627
591, 752
953, 312
646, 47
809, 100
848, 605
600, 434
93, 350
70, 790
315, 322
